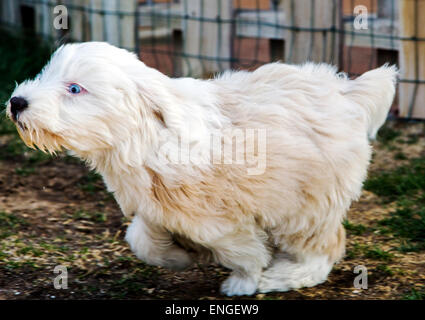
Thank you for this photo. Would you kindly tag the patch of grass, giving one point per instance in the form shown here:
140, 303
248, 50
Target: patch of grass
133, 284
14, 265
30, 250
91, 216
9, 220
384, 269
411, 139
126, 259
370, 252
9, 223
6, 126
53, 247
15, 148
406, 179
90, 183
387, 135
36, 156
377, 253
353, 252
406, 186
400, 156
25, 172
84, 250
415, 294
356, 229
408, 223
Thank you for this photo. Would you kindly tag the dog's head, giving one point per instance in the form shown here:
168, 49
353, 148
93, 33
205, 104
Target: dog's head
88, 97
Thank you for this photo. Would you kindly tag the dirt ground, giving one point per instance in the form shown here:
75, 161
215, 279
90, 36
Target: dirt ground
53, 211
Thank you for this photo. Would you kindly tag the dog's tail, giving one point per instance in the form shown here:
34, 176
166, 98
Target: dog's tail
374, 91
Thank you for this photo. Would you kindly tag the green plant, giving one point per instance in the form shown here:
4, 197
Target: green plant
384, 269
9, 223
91, 216
377, 254
408, 223
387, 135
415, 294
90, 182
405, 180
356, 229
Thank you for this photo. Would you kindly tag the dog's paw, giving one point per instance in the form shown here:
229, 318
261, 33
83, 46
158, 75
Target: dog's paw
176, 259
237, 285
266, 285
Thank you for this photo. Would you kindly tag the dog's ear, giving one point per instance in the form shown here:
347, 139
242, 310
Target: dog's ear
159, 117
160, 99
177, 105
155, 106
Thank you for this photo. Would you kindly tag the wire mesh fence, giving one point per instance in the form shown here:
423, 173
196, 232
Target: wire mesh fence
74, 20
201, 37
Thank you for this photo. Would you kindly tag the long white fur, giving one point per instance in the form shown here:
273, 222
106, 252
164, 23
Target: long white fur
278, 230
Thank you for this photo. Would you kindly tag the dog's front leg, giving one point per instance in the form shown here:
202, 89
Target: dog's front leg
153, 245
246, 254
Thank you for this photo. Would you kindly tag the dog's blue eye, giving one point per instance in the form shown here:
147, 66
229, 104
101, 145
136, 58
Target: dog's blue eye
74, 88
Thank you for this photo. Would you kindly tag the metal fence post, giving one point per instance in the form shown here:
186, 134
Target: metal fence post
111, 21
78, 22
96, 20
10, 12
44, 18
205, 34
412, 59
127, 23
313, 34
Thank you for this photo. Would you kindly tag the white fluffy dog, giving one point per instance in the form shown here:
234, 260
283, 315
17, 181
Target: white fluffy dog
277, 228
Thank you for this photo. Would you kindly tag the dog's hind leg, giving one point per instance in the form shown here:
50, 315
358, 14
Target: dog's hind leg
285, 274
304, 268
246, 254
154, 245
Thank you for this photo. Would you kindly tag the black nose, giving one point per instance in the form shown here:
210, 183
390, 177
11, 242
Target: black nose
17, 104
